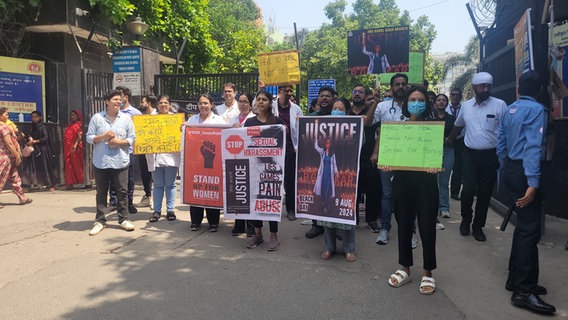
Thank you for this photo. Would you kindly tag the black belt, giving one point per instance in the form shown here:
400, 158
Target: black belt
492, 150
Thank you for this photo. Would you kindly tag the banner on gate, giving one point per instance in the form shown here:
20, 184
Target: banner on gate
328, 168
253, 163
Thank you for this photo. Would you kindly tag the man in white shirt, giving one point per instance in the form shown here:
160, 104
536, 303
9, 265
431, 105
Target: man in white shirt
388, 111
480, 116
229, 109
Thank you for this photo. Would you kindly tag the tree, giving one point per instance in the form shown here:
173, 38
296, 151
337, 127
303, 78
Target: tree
235, 28
14, 16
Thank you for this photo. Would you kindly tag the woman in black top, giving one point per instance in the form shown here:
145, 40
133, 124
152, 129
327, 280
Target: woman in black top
264, 117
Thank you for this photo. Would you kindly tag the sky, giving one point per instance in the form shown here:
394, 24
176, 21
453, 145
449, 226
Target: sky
451, 18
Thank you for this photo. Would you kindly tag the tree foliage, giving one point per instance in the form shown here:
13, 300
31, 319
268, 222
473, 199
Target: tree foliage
14, 16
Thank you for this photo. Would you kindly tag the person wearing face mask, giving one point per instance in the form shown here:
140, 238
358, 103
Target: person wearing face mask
480, 116
388, 111
415, 197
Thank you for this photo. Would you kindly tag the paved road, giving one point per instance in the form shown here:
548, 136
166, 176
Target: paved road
52, 269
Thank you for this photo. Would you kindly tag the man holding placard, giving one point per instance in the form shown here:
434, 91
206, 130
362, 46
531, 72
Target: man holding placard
389, 111
480, 116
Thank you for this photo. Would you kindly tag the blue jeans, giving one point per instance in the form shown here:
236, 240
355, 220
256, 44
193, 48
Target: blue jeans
164, 180
444, 179
330, 238
386, 203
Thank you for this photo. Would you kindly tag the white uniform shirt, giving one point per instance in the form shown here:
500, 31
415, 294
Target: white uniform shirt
228, 113
481, 122
388, 111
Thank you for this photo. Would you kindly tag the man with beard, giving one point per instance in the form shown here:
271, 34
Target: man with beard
480, 116
388, 111
369, 178
325, 102
289, 112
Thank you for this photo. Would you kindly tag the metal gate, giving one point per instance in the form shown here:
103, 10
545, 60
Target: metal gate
186, 88
94, 85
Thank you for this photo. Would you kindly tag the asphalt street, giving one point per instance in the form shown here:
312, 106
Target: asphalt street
52, 269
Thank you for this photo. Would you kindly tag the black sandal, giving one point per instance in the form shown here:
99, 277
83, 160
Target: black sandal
155, 217
170, 216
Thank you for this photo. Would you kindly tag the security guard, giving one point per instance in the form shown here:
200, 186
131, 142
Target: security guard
520, 150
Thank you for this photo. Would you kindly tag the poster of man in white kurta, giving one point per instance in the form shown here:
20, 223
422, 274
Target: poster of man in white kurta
253, 163
328, 168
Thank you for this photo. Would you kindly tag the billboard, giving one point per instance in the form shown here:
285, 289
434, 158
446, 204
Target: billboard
378, 50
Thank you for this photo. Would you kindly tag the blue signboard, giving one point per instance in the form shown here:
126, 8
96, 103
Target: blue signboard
126, 60
316, 84
22, 87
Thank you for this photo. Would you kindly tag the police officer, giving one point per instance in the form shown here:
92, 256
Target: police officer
520, 149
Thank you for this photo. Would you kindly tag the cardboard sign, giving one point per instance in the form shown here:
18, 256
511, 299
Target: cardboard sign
157, 133
279, 68
413, 146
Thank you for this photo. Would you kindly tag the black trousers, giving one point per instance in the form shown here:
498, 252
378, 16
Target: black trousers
116, 179
273, 225
145, 175
196, 215
415, 196
456, 179
523, 262
479, 173
290, 179
130, 190
370, 185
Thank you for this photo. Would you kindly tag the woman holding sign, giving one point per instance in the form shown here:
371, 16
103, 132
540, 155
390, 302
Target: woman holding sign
415, 195
164, 167
205, 116
264, 117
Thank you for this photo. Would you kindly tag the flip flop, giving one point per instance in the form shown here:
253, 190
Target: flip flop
155, 217
426, 283
28, 200
401, 278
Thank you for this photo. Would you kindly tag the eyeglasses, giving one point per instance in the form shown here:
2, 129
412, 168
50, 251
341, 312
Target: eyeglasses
243, 102
358, 91
400, 84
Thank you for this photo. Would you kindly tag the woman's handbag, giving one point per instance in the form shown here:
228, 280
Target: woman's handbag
27, 151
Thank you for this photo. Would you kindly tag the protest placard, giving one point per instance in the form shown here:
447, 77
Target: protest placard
202, 168
279, 67
157, 133
328, 167
413, 146
253, 163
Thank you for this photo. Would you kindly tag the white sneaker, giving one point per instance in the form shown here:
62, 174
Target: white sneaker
439, 225
414, 241
144, 202
127, 225
97, 227
383, 237
445, 214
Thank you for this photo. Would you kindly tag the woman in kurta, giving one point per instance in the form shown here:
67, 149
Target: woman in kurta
9, 154
73, 150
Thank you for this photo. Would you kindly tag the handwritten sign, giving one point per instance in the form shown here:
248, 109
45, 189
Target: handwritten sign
411, 146
279, 68
158, 133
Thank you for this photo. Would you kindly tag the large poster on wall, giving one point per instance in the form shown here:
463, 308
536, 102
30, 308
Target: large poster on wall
253, 163
328, 167
379, 50
22, 87
523, 46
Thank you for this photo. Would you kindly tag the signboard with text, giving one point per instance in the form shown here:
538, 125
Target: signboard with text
127, 68
279, 67
157, 133
413, 146
22, 87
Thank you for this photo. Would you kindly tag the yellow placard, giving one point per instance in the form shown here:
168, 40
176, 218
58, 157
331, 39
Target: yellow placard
279, 67
157, 133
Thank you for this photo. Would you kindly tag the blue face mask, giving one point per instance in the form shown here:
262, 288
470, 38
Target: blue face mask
387, 99
337, 113
415, 108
